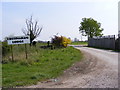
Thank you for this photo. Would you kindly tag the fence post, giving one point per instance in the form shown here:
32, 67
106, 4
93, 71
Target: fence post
12, 52
26, 51
114, 43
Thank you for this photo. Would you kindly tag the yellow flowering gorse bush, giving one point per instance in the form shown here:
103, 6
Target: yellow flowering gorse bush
60, 41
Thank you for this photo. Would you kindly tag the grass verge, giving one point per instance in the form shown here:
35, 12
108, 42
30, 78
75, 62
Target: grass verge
79, 43
41, 65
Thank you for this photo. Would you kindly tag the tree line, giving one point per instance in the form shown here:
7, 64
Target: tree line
88, 27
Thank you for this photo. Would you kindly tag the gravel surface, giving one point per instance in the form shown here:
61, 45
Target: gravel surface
99, 69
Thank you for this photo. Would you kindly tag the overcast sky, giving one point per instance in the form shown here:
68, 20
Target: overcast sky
59, 17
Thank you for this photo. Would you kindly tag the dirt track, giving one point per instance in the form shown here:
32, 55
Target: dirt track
99, 69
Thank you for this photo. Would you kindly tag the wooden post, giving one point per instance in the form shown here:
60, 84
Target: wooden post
12, 52
26, 51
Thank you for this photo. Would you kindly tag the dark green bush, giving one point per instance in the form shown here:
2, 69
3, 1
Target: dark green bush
5, 48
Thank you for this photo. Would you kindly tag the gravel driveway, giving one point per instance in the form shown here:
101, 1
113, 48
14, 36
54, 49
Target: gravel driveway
99, 69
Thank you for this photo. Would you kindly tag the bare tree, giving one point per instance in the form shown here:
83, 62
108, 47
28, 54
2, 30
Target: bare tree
32, 29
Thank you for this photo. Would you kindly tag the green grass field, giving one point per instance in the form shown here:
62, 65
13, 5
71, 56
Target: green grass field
79, 43
42, 64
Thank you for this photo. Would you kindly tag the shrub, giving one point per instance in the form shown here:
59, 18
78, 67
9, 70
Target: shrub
60, 41
5, 48
65, 41
117, 44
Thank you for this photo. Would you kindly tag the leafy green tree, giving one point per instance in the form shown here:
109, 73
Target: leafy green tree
90, 27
